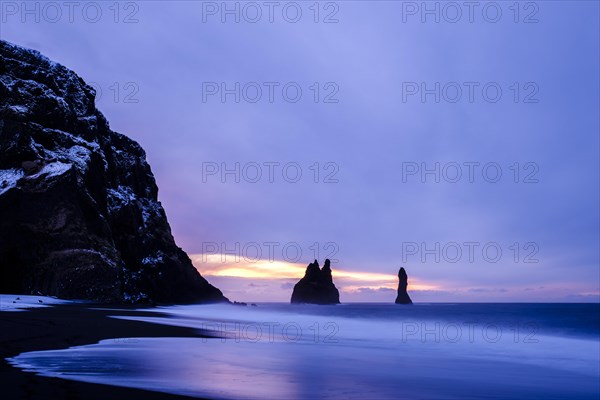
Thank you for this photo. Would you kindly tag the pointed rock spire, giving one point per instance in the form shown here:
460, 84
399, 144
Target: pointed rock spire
403, 297
326, 273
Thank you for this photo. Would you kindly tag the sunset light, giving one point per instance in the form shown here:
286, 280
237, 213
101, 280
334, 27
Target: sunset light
300, 200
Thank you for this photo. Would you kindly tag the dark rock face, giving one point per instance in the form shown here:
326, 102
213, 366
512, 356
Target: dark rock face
317, 286
79, 216
403, 297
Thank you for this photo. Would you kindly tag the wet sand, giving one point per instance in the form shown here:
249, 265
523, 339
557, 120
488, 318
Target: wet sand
63, 326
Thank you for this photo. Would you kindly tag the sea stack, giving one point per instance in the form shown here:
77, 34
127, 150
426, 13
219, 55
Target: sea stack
316, 287
403, 297
79, 215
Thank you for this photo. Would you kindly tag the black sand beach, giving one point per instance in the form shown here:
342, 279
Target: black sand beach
63, 326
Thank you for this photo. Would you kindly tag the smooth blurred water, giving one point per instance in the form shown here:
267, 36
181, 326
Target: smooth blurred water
363, 351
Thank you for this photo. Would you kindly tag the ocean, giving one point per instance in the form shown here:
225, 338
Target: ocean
351, 351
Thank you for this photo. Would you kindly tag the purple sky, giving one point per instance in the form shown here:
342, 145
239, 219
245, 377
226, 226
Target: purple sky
369, 135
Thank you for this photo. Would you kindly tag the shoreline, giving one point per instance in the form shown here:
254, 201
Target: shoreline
62, 326
189, 372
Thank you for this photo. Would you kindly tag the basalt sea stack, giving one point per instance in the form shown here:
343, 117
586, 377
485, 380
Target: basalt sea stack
79, 216
317, 286
403, 297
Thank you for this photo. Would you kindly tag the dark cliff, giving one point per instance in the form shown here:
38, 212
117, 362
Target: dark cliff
316, 286
79, 216
403, 297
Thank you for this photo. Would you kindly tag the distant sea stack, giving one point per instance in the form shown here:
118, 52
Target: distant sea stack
317, 286
79, 216
403, 297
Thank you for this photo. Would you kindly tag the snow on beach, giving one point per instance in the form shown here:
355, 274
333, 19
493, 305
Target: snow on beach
19, 302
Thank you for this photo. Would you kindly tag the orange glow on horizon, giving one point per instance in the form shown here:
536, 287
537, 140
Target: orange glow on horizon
213, 265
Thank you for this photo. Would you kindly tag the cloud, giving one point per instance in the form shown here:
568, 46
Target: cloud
252, 284
487, 290
591, 296
363, 290
179, 133
211, 265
